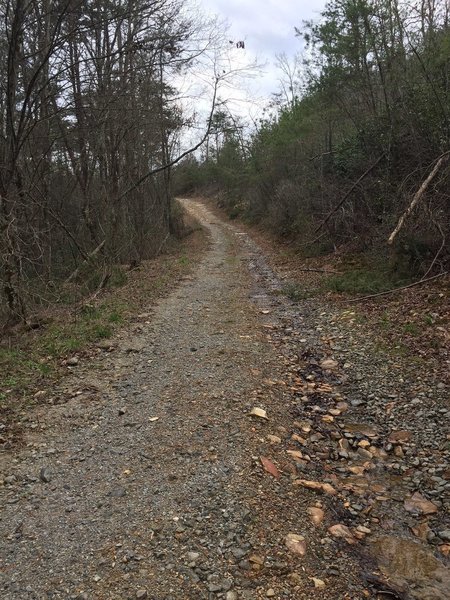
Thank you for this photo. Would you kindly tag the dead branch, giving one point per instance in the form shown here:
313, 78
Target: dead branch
417, 196
158, 252
101, 286
64, 227
321, 154
347, 194
311, 242
103, 283
94, 252
404, 287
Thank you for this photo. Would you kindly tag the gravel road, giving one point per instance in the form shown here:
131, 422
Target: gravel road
142, 475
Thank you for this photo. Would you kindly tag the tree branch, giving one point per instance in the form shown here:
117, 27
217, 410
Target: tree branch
417, 196
404, 287
179, 157
347, 194
91, 255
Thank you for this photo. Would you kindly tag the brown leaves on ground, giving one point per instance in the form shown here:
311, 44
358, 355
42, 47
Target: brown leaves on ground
415, 323
270, 467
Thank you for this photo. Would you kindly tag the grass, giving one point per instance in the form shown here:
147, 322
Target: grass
20, 367
365, 280
115, 317
411, 329
296, 292
397, 350
91, 324
385, 322
30, 360
429, 320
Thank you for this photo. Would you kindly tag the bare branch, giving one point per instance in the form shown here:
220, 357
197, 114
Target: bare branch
180, 156
418, 195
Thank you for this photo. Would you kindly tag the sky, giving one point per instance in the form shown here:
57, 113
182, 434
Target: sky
267, 28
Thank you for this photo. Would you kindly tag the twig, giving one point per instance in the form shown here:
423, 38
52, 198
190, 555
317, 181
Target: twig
347, 194
103, 283
162, 244
321, 154
404, 287
63, 227
417, 196
311, 242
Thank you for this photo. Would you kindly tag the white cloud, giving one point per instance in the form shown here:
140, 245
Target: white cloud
267, 28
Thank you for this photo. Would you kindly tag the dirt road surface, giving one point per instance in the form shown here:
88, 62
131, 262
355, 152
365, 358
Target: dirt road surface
146, 476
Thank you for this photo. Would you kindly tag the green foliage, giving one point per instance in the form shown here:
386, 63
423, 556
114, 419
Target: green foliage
17, 368
429, 320
411, 329
368, 124
296, 292
365, 281
115, 317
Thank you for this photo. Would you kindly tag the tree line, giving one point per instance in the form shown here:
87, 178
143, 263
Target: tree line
354, 149
88, 111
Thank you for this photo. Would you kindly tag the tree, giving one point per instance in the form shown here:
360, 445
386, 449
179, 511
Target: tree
89, 118
338, 162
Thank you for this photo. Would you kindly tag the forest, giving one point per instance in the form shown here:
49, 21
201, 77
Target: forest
89, 123
352, 156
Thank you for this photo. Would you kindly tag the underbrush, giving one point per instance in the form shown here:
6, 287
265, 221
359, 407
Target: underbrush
365, 281
30, 356
297, 292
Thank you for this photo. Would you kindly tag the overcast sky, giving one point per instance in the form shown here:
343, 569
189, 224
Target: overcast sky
267, 28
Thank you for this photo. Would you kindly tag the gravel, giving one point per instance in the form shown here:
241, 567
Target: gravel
145, 479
